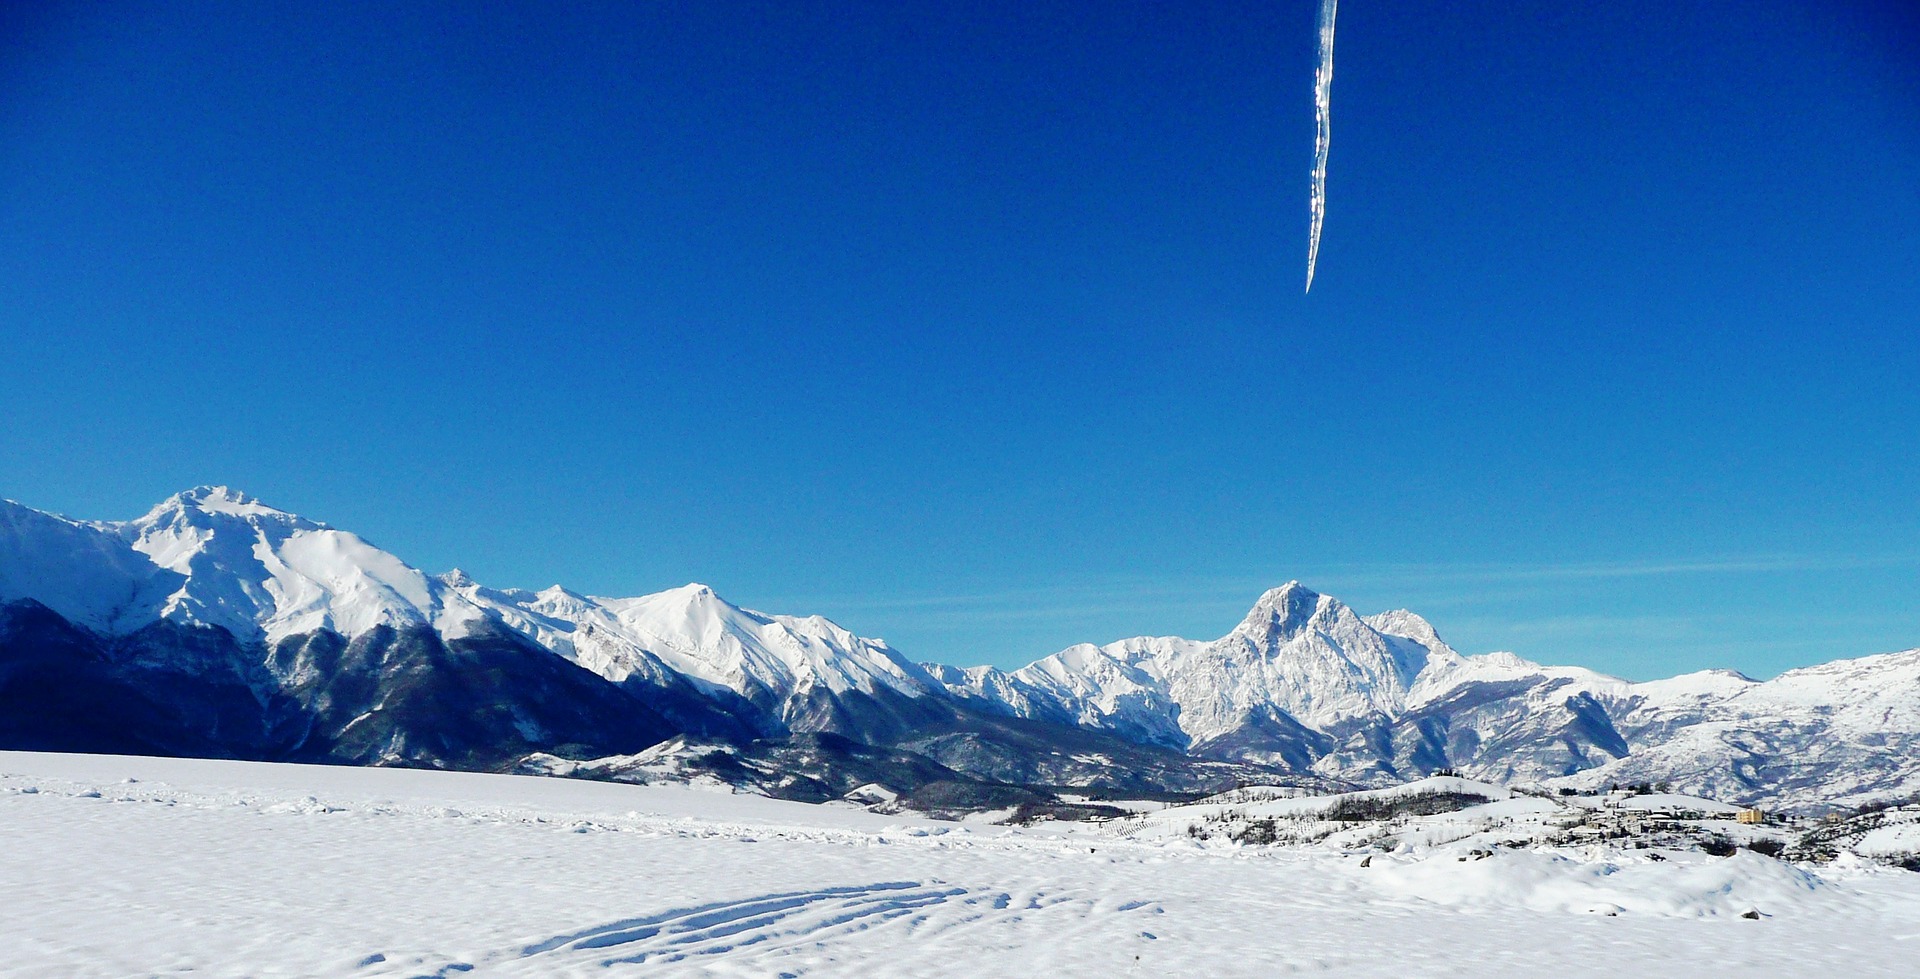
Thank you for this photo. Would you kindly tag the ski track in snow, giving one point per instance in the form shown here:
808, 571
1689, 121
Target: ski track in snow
146, 866
771, 927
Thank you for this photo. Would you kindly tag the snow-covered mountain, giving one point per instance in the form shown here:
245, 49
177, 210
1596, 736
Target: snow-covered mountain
1301, 681
1305, 682
794, 672
213, 556
216, 557
218, 625
350, 653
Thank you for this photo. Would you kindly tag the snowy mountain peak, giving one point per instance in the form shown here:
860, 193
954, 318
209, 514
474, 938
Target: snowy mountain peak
1298, 657
213, 556
261, 572
1407, 625
1283, 612
1508, 661
220, 500
693, 610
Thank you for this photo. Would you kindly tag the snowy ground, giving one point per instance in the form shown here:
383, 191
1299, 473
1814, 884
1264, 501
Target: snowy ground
144, 866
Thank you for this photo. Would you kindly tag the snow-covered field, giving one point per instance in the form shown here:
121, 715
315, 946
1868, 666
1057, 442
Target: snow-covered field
149, 866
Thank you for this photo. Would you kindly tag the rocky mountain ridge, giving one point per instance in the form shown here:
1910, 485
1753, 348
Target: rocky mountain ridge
349, 654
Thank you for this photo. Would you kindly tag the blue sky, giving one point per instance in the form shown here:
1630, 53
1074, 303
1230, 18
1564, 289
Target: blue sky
979, 327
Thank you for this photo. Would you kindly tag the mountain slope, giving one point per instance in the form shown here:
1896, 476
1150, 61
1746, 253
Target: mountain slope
484, 699
165, 688
86, 573
1841, 732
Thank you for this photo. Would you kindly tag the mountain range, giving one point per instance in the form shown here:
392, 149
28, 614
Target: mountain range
216, 625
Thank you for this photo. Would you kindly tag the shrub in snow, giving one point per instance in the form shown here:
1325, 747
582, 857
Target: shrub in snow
1353, 809
1718, 846
1259, 832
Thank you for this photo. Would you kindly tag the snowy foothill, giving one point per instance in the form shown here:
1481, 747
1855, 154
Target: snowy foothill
147, 866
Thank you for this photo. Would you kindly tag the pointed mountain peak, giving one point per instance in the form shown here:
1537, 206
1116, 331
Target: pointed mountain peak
1283, 612
557, 591
692, 607
1291, 591
457, 578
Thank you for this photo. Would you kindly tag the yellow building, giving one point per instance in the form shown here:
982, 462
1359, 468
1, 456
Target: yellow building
1751, 816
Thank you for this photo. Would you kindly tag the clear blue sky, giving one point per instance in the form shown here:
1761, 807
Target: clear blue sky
979, 326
